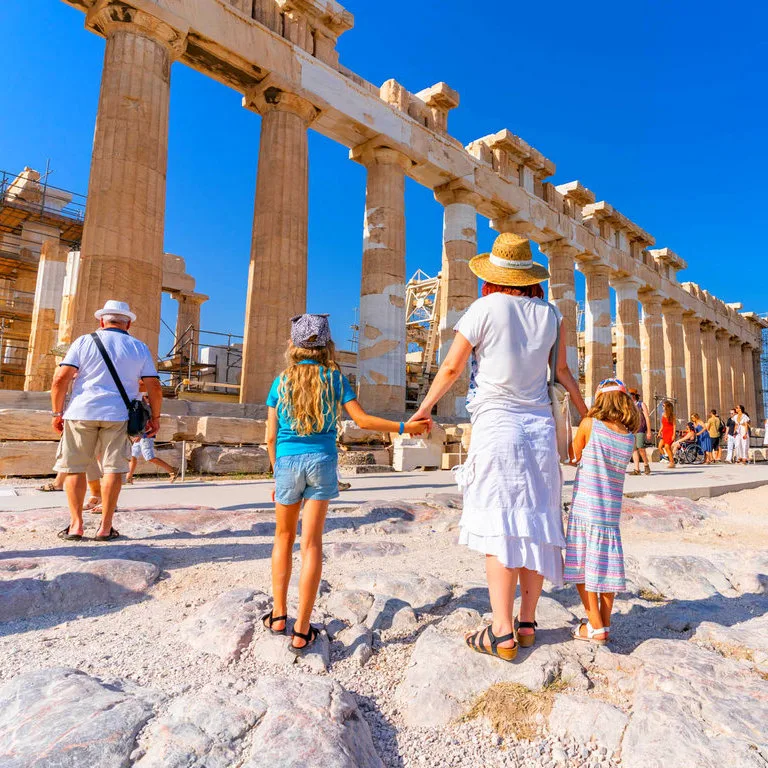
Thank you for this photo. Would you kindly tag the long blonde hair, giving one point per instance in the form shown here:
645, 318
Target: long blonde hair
305, 392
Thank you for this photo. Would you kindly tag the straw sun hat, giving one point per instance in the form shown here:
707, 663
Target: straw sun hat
509, 263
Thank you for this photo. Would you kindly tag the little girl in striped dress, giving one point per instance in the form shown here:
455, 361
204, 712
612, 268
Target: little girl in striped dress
594, 559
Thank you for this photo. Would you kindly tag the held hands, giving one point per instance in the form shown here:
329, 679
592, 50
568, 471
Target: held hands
413, 427
422, 415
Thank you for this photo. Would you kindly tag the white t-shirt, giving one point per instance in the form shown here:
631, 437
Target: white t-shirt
94, 394
512, 338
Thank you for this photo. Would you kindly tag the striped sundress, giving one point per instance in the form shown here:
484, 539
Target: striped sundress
593, 554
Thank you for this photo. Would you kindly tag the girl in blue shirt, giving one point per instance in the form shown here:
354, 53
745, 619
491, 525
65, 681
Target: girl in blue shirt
305, 404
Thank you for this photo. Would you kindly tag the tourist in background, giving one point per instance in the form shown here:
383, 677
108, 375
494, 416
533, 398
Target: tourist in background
667, 433
305, 403
741, 436
96, 420
511, 479
594, 558
643, 434
730, 431
702, 437
715, 428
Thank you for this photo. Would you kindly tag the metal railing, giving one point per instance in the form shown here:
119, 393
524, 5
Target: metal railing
39, 195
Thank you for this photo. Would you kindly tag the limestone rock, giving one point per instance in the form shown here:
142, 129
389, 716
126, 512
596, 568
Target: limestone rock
665, 513
351, 605
225, 626
362, 549
358, 643
746, 640
414, 452
421, 591
37, 586
219, 430
460, 621
64, 718
686, 577
170, 455
274, 649
444, 676
217, 460
18, 424
587, 719
27, 458
390, 613
351, 434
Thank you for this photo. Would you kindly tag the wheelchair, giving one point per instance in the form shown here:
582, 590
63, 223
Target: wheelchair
690, 453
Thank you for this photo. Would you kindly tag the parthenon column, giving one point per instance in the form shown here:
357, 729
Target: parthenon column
628, 358
737, 371
711, 382
122, 247
748, 369
458, 285
724, 371
597, 328
694, 367
277, 278
188, 321
41, 363
758, 386
562, 293
381, 347
674, 358
652, 347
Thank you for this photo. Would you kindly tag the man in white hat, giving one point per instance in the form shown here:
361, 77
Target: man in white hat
95, 421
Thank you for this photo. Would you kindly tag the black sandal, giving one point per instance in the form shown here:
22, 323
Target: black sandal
113, 534
525, 641
308, 639
67, 536
268, 620
477, 643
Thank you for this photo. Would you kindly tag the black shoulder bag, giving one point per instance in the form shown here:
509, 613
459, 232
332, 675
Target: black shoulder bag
138, 413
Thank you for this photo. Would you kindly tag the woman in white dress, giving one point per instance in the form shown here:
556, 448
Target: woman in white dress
511, 480
741, 436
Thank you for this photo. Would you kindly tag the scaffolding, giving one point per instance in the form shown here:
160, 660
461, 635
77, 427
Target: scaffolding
422, 328
762, 384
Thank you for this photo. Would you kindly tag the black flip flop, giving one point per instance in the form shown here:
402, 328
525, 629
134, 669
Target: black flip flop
67, 536
308, 639
268, 620
113, 534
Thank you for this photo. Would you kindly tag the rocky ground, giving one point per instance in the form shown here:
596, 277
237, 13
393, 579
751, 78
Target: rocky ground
148, 651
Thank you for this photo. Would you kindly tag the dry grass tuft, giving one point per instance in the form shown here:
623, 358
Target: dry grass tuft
652, 596
515, 711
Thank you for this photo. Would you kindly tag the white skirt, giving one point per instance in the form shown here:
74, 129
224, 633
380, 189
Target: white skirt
512, 486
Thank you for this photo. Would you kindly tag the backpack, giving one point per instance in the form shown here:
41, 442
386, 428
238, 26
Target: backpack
723, 428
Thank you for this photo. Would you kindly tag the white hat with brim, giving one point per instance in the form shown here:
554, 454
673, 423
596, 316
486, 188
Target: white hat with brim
113, 307
509, 263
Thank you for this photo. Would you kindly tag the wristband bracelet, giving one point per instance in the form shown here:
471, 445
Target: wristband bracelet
402, 427
57, 413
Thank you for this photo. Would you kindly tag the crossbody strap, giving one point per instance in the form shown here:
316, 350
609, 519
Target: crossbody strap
111, 369
555, 349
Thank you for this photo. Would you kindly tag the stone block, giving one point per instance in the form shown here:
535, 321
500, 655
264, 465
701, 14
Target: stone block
218, 460
221, 430
170, 454
451, 460
351, 434
413, 452
22, 458
22, 424
458, 433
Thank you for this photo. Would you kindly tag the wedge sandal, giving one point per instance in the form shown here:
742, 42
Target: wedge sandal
525, 641
308, 639
269, 619
591, 633
477, 640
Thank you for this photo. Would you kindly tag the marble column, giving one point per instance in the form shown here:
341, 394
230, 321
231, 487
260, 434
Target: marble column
674, 359
188, 322
458, 285
694, 365
41, 363
737, 371
748, 369
757, 378
628, 354
597, 328
277, 278
652, 348
724, 372
562, 293
711, 381
68, 294
381, 348
122, 247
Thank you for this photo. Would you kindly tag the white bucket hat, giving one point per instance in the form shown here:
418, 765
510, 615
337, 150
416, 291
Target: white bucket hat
113, 307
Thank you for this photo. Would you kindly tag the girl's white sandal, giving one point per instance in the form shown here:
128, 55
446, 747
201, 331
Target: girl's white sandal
591, 633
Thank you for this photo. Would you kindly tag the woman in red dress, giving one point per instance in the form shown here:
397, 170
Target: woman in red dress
667, 434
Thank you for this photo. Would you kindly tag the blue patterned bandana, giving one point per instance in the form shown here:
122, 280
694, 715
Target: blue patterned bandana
310, 331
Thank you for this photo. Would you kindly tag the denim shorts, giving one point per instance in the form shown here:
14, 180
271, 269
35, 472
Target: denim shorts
306, 476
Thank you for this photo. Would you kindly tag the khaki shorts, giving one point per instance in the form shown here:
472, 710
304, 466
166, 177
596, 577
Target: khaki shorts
83, 441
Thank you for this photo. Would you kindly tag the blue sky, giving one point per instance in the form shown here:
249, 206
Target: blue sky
657, 107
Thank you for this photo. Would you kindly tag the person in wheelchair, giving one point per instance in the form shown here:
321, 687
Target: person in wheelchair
689, 436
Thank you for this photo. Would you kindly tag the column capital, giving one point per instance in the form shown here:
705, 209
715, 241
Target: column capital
266, 97
374, 153
691, 319
722, 334
190, 298
735, 341
456, 191
629, 285
560, 247
594, 269
106, 17
650, 300
672, 309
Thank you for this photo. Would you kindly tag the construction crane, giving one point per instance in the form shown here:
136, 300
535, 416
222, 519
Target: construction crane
422, 325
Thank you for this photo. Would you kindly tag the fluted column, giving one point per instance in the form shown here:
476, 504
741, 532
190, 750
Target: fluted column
122, 247
277, 277
711, 382
41, 362
652, 347
597, 328
737, 371
458, 285
562, 293
757, 376
674, 358
188, 321
694, 365
748, 369
381, 347
628, 356
724, 375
